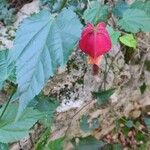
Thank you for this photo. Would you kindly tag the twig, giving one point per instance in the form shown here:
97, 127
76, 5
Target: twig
140, 40
89, 3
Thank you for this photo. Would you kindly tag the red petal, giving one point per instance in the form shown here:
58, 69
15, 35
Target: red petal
95, 41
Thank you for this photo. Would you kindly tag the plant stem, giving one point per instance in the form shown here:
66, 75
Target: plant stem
109, 67
14, 90
89, 3
105, 72
64, 2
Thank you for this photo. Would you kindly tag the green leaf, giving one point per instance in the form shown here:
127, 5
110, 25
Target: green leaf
47, 106
103, 96
88, 126
3, 65
120, 8
11, 130
55, 145
147, 65
88, 143
43, 42
7, 13
43, 140
5, 68
112, 147
135, 20
145, 6
143, 88
147, 122
141, 137
113, 34
138, 4
4, 146
129, 123
96, 13
84, 125
128, 40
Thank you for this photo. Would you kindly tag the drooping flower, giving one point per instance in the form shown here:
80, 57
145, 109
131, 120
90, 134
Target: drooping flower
95, 42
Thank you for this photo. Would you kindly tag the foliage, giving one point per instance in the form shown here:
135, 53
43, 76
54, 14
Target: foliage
44, 42
3, 146
12, 130
42, 140
147, 122
138, 4
143, 88
55, 144
112, 147
88, 126
120, 8
57, 36
135, 20
7, 69
129, 123
103, 96
47, 106
128, 40
113, 34
6, 13
88, 143
96, 13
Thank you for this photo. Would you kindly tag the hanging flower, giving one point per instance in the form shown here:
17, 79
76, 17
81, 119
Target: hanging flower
95, 42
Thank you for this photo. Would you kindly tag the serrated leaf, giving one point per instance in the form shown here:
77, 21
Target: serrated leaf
128, 40
103, 96
43, 43
113, 34
145, 6
4, 146
96, 13
120, 8
88, 143
137, 4
135, 20
5, 68
48, 106
3, 65
11, 130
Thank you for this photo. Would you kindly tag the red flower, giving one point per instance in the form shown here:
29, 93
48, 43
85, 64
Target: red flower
95, 42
